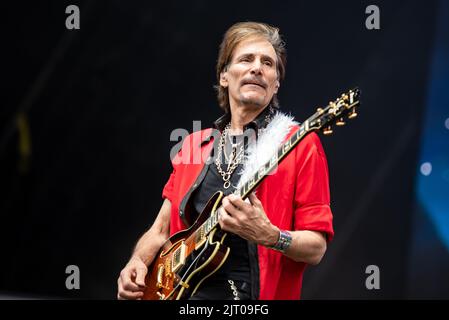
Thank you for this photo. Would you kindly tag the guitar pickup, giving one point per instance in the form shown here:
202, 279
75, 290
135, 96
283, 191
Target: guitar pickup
179, 257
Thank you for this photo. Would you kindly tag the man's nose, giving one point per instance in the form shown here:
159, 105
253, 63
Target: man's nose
256, 67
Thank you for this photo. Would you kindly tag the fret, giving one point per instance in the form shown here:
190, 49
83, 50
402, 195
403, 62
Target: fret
286, 146
215, 217
262, 171
280, 154
273, 161
267, 167
256, 176
293, 138
251, 182
297, 136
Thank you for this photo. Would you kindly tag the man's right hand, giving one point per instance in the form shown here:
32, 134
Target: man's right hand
131, 283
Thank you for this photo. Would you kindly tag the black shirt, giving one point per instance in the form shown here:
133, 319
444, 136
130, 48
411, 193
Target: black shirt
237, 265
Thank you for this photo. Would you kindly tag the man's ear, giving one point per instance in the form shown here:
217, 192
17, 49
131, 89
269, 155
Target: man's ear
224, 79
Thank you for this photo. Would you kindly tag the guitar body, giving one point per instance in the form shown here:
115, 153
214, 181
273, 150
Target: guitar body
186, 260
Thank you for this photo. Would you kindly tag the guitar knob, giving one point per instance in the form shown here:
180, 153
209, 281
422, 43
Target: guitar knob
340, 122
353, 114
327, 130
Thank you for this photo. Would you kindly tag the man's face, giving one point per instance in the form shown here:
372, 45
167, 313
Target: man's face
251, 77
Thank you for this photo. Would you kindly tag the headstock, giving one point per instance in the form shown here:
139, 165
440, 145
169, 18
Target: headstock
336, 112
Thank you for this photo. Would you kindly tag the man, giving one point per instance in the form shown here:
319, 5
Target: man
275, 234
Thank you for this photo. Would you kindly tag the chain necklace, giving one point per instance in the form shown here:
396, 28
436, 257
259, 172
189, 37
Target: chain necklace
234, 158
234, 145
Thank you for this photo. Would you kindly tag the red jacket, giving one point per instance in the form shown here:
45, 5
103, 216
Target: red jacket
296, 197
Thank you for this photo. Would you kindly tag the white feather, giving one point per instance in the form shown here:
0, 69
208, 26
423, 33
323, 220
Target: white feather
268, 143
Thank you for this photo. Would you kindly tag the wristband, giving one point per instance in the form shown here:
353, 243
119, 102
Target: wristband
285, 240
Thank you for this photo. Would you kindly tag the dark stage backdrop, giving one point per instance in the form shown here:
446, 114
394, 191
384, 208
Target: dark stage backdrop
86, 117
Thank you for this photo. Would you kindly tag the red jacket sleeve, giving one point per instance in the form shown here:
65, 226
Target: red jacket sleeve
312, 197
167, 192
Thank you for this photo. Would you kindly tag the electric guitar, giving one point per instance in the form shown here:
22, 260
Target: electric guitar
192, 255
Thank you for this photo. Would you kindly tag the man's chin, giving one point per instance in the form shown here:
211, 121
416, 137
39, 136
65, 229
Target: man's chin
257, 102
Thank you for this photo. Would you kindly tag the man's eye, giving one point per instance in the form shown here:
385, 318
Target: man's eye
268, 63
245, 59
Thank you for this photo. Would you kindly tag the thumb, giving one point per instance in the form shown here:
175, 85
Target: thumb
141, 272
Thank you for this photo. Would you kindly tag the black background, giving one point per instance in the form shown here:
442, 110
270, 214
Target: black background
102, 101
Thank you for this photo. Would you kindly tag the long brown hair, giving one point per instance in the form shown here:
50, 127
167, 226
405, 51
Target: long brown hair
235, 35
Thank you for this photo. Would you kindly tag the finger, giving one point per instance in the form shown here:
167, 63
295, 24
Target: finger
131, 286
254, 200
119, 289
239, 203
127, 282
129, 295
140, 276
230, 208
126, 294
226, 221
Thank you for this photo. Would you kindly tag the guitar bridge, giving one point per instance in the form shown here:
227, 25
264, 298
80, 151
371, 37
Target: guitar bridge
179, 257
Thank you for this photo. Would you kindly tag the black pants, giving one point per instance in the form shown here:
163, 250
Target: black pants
223, 289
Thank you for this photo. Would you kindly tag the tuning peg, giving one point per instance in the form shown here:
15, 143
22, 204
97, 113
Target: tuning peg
352, 114
327, 130
340, 122
320, 110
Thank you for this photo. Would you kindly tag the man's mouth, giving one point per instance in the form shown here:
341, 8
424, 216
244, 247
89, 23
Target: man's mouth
254, 82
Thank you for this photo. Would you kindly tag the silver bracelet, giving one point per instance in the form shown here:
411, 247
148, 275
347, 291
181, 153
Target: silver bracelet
285, 240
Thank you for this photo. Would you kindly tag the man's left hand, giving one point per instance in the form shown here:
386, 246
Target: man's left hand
248, 220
